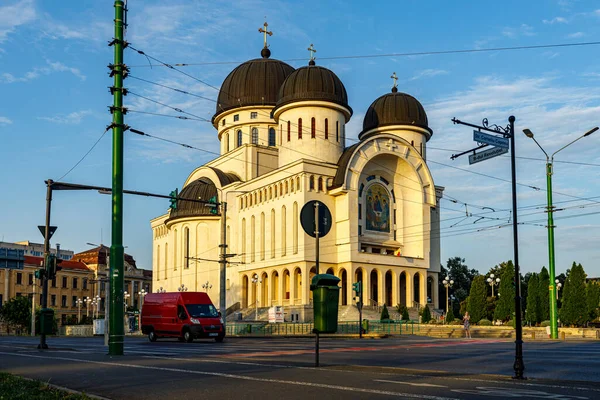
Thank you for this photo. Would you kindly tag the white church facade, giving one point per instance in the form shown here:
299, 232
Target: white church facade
282, 134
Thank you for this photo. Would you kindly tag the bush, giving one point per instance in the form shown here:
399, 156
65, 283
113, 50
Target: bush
385, 315
457, 321
432, 322
485, 322
405, 316
449, 316
426, 315
545, 323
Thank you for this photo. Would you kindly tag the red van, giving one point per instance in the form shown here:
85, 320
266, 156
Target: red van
184, 315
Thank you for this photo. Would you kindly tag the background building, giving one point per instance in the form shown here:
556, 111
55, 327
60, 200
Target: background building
283, 143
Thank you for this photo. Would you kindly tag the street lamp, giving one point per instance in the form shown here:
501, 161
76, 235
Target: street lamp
447, 283
97, 300
87, 306
493, 282
126, 295
182, 288
256, 281
206, 286
161, 290
79, 303
550, 210
142, 293
558, 286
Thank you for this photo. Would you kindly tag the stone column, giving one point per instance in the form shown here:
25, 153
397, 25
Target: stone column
395, 290
380, 287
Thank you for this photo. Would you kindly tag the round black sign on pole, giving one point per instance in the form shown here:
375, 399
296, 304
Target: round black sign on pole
307, 219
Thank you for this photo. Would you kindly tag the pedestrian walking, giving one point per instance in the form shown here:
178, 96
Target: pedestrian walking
467, 325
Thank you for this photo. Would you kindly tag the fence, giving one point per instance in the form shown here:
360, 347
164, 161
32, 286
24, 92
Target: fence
344, 328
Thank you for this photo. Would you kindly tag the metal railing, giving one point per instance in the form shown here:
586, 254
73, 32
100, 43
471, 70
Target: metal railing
344, 328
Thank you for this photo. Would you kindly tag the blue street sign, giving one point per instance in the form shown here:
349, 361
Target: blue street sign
492, 140
486, 154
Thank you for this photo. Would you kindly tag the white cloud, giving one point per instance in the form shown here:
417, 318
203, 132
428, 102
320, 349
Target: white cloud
427, 73
5, 121
556, 20
37, 72
575, 35
73, 118
15, 15
523, 30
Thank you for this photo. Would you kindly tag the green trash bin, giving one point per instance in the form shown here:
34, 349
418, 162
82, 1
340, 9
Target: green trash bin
46, 321
326, 294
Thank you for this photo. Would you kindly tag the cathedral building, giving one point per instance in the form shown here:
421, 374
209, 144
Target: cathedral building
282, 134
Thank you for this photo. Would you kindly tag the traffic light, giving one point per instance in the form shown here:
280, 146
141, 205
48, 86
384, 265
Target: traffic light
52, 265
213, 203
173, 199
357, 287
39, 274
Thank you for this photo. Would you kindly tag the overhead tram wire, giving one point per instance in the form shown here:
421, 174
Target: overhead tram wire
171, 88
85, 155
435, 162
405, 54
179, 110
165, 115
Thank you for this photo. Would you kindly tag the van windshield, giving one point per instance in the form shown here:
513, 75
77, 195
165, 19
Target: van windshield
202, 311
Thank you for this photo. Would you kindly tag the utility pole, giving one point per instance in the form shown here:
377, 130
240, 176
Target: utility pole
500, 146
118, 71
47, 234
223, 263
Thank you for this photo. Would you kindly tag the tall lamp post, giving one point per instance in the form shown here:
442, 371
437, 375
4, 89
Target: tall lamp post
97, 300
79, 303
447, 283
206, 286
493, 282
87, 306
126, 296
256, 281
550, 211
558, 286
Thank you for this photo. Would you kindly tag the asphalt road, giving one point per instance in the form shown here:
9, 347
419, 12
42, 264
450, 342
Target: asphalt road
244, 368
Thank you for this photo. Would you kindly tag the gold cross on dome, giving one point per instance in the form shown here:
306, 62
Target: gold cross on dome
312, 51
265, 32
395, 78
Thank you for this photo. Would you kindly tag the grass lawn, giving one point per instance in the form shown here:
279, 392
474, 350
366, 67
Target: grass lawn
16, 388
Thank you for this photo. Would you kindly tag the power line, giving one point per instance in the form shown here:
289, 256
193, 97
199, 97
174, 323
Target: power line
165, 115
406, 54
179, 110
85, 155
171, 88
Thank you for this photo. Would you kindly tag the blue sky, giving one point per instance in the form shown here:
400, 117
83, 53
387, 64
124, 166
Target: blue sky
54, 81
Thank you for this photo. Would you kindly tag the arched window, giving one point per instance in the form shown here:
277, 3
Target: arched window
313, 128
227, 142
252, 239
273, 233
281, 134
243, 239
295, 227
283, 231
262, 236
158, 260
272, 137
286, 187
292, 185
175, 250
298, 183
311, 183
254, 135
326, 129
337, 131
186, 247
239, 138
299, 128
166, 258
289, 130
320, 184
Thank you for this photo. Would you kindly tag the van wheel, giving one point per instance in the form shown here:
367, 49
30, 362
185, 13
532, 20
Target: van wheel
152, 336
219, 339
187, 336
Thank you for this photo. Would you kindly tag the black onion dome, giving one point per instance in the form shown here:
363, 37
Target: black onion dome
395, 108
313, 83
201, 189
255, 82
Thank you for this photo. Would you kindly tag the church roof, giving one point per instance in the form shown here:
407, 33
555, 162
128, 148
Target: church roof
98, 256
340, 174
313, 82
395, 108
200, 189
253, 83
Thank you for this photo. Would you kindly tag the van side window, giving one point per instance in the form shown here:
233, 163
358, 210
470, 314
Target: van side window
181, 314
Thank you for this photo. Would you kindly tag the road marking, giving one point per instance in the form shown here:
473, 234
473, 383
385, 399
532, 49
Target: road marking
241, 377
410, 383
509, 392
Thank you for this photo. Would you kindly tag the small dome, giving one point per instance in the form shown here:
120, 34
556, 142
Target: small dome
313, 83
395, 108
255, 82
201, 189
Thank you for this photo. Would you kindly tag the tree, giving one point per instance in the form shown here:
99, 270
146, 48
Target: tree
544, 294
477, 299
426, 317
403, 311
533, 312
574, 309
449, 316
17, 312
462, 276
505, 307
385, 314
593, 299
